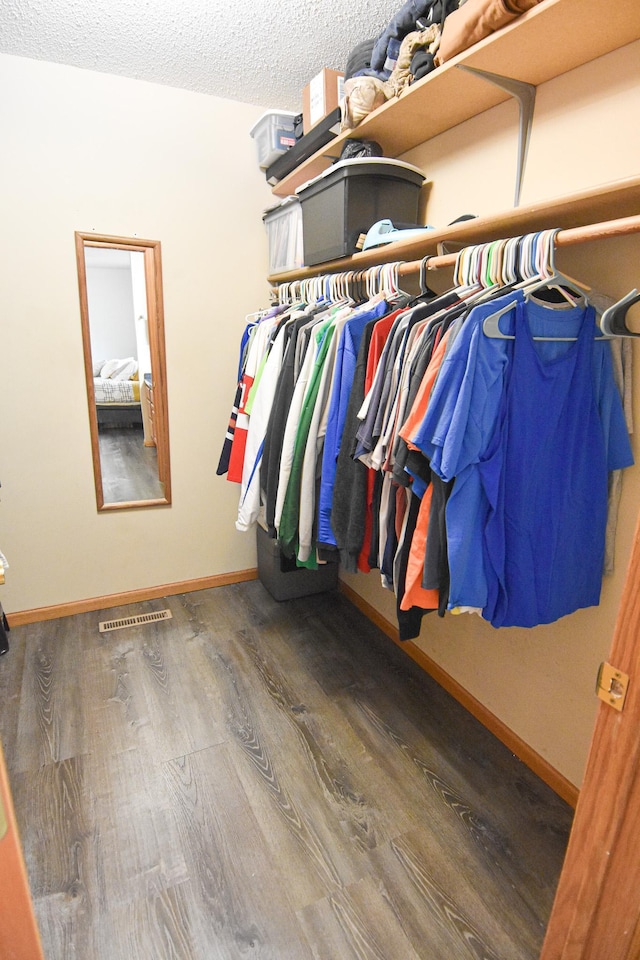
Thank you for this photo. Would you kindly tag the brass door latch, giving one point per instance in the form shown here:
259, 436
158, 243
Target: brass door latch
612, 685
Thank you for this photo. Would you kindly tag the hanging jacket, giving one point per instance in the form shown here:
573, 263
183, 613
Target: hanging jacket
249, 507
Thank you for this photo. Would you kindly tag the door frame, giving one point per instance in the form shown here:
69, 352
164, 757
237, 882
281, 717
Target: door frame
19, 937
596, 912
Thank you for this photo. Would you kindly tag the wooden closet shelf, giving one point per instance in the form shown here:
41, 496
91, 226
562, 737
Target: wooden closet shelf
619, 198
552, 38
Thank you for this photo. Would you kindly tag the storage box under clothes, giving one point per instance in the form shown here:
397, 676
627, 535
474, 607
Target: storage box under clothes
349, 197
286, 581
273, 133
283, 224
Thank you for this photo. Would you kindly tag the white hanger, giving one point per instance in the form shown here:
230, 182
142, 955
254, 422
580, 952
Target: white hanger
536, 259
543, 263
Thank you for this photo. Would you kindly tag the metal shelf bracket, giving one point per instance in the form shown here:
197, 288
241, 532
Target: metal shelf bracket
525, 94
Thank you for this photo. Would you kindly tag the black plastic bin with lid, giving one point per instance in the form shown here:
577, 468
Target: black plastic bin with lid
349, 197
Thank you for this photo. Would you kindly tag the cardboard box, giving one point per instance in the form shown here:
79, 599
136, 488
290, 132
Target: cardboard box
320, 97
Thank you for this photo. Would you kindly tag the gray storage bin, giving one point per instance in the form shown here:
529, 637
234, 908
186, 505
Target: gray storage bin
286, 581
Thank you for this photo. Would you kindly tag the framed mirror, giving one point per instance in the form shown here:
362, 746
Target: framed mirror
122, 316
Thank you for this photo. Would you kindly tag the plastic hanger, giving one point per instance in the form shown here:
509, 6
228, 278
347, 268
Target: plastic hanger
510, 257
425, 289
390, 282
466, 276
540, 249
372, 281
535, 259
491, 328
613, 321
495, 260
357, 289
337, 291
491, 324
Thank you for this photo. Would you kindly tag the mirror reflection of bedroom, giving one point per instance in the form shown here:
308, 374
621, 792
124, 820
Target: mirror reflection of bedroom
125, 429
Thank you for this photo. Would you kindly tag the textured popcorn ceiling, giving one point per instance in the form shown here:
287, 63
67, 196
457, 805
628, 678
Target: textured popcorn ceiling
261, 52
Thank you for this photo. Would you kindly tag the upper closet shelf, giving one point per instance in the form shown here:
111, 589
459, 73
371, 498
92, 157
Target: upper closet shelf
552, 38
607, 201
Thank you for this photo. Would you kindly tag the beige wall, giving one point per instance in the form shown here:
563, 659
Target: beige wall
84, 151
584, 133
540, 682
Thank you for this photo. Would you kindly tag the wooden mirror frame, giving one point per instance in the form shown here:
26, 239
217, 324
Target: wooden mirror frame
155, 322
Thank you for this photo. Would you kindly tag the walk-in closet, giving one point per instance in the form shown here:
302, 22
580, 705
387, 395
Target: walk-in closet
194, 766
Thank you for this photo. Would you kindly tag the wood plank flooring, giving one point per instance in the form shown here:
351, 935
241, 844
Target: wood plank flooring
255, 779
129, 469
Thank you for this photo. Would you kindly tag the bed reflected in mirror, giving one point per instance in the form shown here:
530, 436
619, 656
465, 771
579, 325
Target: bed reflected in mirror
121, 309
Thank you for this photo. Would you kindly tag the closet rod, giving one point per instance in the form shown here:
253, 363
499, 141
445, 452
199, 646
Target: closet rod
564, 238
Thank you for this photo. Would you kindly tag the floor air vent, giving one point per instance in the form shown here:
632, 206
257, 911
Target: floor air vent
106, 625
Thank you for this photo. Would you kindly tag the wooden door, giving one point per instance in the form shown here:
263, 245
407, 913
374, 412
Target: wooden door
19, 938
596, 914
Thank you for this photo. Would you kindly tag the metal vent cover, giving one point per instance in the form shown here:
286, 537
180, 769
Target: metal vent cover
106, 625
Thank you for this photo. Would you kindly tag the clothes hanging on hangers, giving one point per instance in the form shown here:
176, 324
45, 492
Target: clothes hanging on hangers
274, 434
464, 420
346, 363
549, 470
290, 350
232, 454
409, 439
225, 453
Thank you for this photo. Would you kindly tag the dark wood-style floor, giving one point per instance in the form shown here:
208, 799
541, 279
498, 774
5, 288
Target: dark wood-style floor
254, 779
129, 469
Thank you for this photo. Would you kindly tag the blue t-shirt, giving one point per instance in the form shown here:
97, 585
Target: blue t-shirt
468, 421
545, 536
455, 433
343, 374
